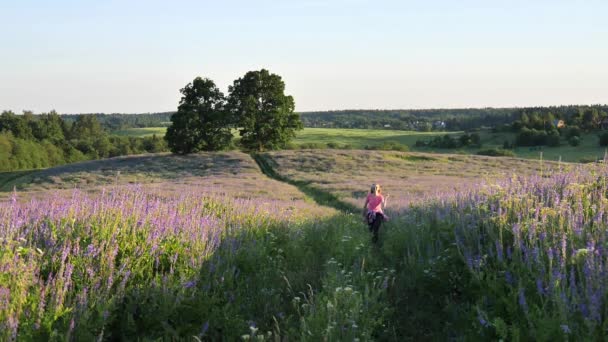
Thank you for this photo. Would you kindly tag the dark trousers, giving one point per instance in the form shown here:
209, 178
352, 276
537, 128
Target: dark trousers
374, 225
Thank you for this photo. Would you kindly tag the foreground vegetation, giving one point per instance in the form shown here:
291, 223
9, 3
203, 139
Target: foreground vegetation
518, 259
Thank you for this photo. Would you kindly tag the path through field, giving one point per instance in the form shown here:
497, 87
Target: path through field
412, 316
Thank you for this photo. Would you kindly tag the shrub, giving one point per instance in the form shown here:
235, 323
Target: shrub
313, 146
421, 143
553, 139
496, 152
338, 146
604, 139
389, 146
574, 141
587, 159
573, 131
531, 137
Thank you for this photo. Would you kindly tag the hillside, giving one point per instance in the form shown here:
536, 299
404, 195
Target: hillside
272, 246
229, 174
407, 176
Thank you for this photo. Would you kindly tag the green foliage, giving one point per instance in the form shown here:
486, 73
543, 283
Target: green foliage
450, 141
496, 152
574, 141
573, 131
263, 113
389, 146
85, 127
39, 141
553, 138
603, 139
531, 137
201, 123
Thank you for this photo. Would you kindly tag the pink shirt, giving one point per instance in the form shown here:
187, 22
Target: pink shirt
374, 203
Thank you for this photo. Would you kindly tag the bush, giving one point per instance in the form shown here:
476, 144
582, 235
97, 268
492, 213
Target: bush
573, 131
389, 146
531, 137
604, 139
574, 141
587, 159
421, 143
553, 139
313, 146
496, 152
338, 146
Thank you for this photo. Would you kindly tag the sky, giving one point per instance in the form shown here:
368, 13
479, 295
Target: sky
133, 56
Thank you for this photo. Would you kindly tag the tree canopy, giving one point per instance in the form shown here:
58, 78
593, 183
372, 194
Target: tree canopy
200, 123
263, 113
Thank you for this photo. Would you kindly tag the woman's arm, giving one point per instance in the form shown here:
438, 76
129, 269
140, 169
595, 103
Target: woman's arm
385, 200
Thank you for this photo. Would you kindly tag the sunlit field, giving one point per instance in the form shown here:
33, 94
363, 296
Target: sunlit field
141, 132
407, 176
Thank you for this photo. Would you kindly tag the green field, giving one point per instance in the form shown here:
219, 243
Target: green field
588, 150
360, 138
141, 132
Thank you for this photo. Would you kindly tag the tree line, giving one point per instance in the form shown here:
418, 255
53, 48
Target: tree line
115, 121
454, 119
29, 141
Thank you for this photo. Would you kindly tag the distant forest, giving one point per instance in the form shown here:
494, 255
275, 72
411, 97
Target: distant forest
114, 122
436, 119
399, 119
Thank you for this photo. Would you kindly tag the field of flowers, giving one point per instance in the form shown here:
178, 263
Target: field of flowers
409, 177
517, 258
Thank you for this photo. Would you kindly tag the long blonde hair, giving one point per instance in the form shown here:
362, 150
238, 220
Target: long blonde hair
375, 189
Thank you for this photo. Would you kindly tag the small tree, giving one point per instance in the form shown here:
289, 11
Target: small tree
201, 123
263, 113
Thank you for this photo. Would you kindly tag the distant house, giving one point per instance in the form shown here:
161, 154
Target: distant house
604, 123
559, 123
387, 126
439, 124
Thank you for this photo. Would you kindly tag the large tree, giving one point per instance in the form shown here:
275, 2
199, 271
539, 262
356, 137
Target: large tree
201, 123
262, 112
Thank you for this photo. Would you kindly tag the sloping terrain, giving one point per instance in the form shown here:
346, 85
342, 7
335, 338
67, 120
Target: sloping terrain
230, 174
406, 176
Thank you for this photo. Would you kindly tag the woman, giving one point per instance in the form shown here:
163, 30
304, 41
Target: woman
373, 210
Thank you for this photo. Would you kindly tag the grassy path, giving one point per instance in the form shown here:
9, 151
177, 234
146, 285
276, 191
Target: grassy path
322, 198
427, 297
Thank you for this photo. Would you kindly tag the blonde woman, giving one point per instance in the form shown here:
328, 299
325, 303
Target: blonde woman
373, 210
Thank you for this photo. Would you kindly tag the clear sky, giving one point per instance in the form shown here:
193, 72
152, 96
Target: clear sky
135, 55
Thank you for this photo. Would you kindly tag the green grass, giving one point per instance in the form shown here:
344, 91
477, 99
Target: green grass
359, 138
10, 179
141, 132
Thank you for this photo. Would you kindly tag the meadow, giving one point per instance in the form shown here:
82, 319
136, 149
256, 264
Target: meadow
588, 150
272, 246
141, 132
